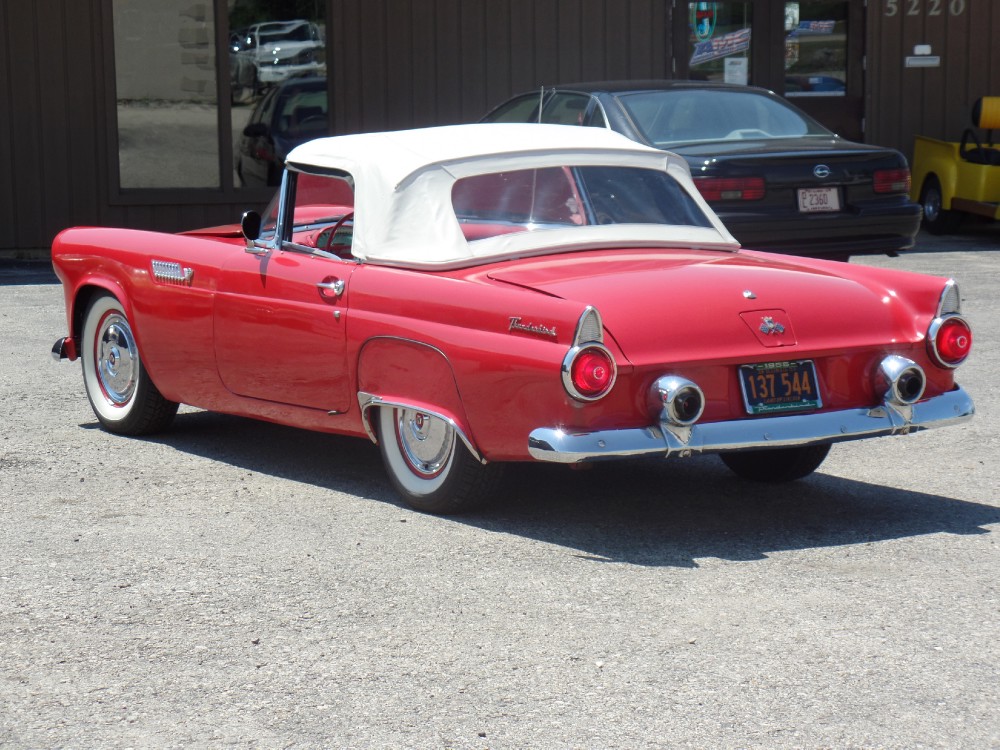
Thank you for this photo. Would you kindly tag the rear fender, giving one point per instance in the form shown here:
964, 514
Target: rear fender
401, 372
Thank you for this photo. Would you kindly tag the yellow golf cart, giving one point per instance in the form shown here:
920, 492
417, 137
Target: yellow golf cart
953, 179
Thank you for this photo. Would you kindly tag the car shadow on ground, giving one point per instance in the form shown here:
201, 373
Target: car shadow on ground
643, 512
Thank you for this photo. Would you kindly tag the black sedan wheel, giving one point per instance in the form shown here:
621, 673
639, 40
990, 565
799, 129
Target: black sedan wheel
429, 465
120, 391
776, 464
936, 218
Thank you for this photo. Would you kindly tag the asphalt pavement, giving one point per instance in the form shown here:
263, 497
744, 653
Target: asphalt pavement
231, 583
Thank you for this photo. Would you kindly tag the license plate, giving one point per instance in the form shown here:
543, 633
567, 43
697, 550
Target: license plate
812, 200
777, 387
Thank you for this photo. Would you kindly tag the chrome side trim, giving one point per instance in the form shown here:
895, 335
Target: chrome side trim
369, 400
167, 271
950, 300
557, 446
589, 328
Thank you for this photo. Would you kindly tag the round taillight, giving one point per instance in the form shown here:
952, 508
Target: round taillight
951, 340
589, 372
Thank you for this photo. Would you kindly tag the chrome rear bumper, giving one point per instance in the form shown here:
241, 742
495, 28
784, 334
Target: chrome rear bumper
558, 446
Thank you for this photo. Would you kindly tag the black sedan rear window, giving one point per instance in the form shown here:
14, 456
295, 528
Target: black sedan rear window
691, 116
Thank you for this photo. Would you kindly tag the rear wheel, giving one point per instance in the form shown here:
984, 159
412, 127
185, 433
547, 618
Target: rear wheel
936, 219
429, 465
776, 464
119, 388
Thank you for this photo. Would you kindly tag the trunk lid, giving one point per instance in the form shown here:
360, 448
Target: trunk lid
692, 306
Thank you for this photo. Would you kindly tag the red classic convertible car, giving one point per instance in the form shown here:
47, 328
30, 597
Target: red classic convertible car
476, 295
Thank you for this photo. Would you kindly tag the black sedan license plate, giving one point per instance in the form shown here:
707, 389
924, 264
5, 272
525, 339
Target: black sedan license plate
776, 387
812, 200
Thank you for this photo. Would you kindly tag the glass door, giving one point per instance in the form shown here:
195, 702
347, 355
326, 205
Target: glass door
719, 38
811, 51
823, 70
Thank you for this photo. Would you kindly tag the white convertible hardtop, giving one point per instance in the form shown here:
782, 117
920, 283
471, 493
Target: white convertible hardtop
403, 183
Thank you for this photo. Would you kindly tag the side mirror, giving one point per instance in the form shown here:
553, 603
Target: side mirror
250, 224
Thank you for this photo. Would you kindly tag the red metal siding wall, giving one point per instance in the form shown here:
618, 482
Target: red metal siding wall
937, 101
49, 135
410, 63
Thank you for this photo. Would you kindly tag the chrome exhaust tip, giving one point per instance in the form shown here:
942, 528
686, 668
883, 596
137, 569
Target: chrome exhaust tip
679, 401
901, 381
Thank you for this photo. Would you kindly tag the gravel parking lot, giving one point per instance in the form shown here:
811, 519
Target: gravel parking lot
233, 583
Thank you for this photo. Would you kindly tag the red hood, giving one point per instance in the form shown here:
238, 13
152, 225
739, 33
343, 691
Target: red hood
670, 306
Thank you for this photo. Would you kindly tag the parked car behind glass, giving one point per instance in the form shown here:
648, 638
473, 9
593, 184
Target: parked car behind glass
268, 53
290, 114
778, 179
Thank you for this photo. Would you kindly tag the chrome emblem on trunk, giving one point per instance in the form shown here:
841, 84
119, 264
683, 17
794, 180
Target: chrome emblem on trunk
821, 171
768, 326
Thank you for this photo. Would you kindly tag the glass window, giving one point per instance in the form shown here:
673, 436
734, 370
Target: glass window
320, 207
165, 91
277, 83
561, 108
533, 199
815, 48
720, 41
522, 109
684, 115
566, 109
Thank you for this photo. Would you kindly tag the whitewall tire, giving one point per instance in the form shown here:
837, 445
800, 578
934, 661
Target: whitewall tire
120, 391
428, 463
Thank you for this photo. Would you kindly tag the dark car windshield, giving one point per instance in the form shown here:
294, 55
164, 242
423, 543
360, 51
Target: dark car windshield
697, 115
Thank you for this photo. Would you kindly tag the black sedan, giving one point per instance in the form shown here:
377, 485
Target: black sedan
288, 115
779, 180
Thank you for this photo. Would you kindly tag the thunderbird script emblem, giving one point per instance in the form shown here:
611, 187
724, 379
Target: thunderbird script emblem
517, 325
768, 326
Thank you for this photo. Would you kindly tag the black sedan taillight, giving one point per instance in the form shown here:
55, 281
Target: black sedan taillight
891, 181
730, 188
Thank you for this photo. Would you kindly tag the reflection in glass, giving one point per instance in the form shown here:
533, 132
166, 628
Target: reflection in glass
277, 73
165, 84
720, 41
815, 48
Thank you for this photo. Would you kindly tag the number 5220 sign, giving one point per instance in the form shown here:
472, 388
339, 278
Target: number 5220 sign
924, 7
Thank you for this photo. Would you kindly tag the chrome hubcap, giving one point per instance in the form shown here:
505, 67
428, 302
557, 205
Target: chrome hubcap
932, 204
117, 360
426, 441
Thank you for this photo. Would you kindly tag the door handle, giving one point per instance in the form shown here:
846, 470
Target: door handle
336, 286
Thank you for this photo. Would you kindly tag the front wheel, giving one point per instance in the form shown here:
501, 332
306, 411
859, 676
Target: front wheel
119, 389
776, 464
429, 465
